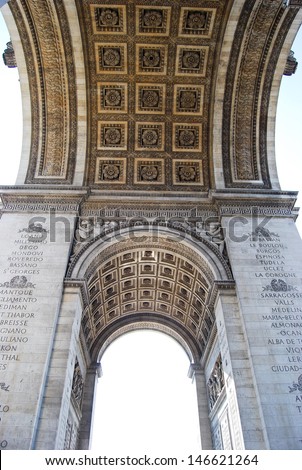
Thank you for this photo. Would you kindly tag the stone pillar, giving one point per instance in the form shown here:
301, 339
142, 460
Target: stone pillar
197, 375
266, 258
92, 375
57, 395
34, 250
244, 411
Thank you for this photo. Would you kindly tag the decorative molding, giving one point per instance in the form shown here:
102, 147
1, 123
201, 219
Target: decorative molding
259, 208
121, 227
256, 48
17, 202
52, 84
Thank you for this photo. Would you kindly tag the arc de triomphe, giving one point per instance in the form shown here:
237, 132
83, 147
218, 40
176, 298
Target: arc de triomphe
148, 197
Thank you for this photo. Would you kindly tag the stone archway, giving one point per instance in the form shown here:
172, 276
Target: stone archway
147, 280
183, 128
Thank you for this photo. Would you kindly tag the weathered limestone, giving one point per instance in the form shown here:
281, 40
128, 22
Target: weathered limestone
32, 271
266, 257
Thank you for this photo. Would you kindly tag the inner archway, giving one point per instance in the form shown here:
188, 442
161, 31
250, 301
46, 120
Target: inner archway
145, 401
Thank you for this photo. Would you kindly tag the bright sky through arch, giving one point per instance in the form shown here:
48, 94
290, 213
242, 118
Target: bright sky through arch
145, 399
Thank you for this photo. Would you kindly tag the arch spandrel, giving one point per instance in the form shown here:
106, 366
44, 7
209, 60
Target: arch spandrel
187, 111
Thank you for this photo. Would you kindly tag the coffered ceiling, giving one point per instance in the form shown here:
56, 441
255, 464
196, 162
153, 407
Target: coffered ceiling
165, 96
150, 67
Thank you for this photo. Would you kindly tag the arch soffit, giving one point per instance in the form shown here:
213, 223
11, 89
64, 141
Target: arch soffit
249, 80
187, 244
149, 279
273, 20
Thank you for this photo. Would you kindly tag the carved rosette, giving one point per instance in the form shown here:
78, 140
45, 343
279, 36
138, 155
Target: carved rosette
151, 59
150, 98
187, 172
191, 60
77, 384
153, 21
149, 136
108, 19
149, 171
112, 135
111, 171
196, 22
188, 100
187, 138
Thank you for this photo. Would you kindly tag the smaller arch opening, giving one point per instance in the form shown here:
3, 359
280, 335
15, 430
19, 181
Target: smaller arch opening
145, 401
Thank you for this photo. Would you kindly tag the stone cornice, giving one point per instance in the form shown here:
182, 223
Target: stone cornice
272, 203
30, 200
91, 203
80, 284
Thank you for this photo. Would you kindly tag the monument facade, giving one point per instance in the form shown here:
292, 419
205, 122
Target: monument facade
148, 198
